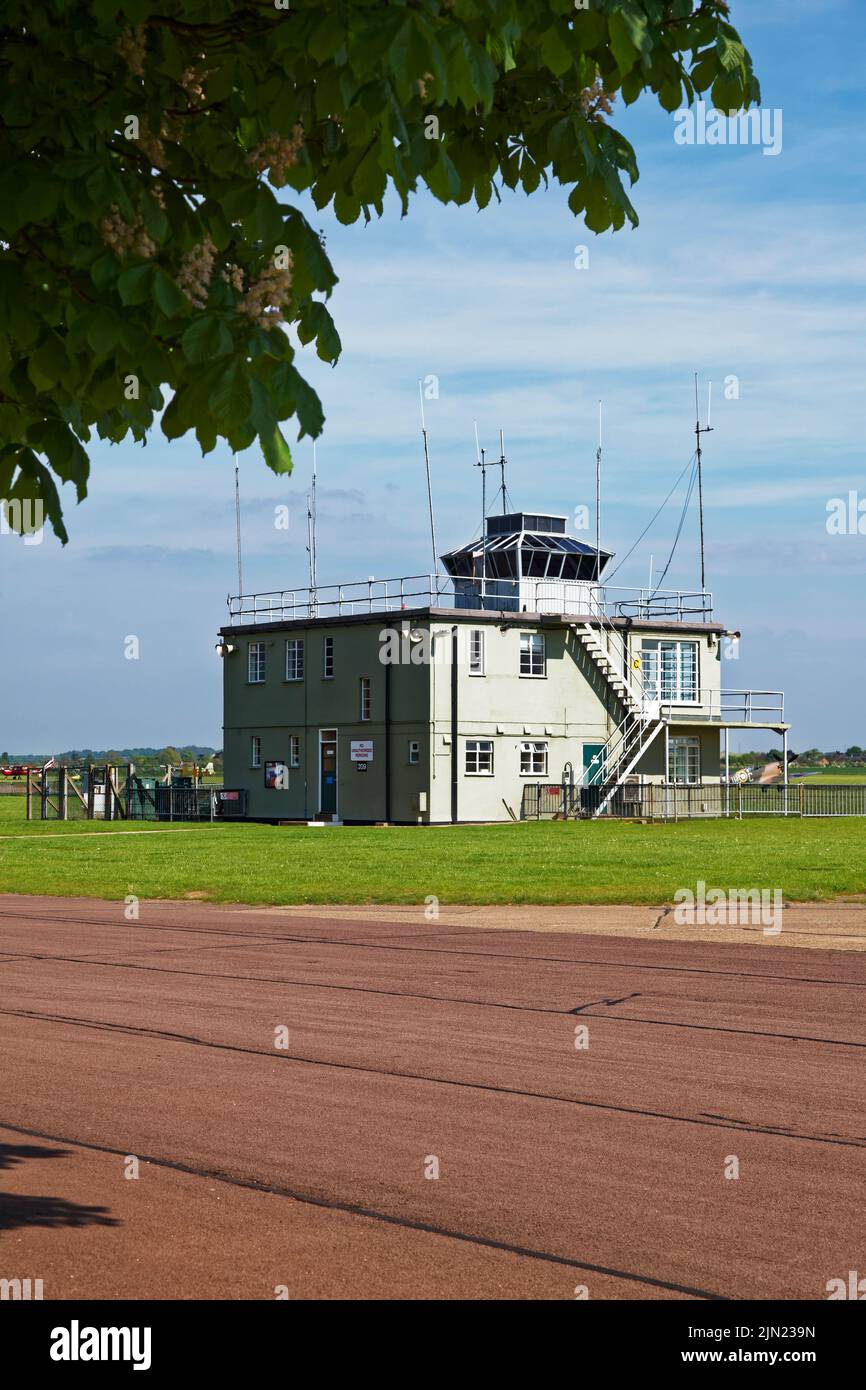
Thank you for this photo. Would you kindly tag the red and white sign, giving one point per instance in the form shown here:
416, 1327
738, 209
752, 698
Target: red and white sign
361, 750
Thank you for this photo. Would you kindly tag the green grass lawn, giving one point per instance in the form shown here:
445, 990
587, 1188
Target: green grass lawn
830, 774
546, 862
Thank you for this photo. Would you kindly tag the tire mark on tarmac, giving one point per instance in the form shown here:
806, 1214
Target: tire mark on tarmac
445, 951
371, 1214
189, 1039
447, 999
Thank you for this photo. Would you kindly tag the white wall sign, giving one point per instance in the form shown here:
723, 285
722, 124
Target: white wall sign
361, 750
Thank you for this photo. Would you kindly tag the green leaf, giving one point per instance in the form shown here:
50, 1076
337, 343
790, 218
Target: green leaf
168, 296
327, 39
314, 321
48, 363
230, 396
102, 329
133, 285
277, 453
206, 338
68, 459
628, 37
555, 50
34, 482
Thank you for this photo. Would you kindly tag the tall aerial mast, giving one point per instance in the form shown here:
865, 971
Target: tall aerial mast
311, 524
481, 462
598, 501
429, 484
699, 430
502, 463
238, 526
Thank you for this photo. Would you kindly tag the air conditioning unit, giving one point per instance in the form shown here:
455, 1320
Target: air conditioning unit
632, 788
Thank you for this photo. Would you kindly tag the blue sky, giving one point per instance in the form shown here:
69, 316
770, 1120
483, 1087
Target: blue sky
743, 265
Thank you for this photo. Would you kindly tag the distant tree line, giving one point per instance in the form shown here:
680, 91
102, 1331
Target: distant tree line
142, 757
810, 756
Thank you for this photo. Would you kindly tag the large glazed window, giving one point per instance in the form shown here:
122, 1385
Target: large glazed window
670, 670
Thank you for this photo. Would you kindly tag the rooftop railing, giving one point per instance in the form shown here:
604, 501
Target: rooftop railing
574, 597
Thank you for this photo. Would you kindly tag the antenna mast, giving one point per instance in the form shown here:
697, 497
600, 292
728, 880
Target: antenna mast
429, 487
502, 463
311, 524
699, 430
238, 526
482, 464
598, 501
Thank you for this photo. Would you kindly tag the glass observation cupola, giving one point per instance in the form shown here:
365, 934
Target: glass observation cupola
525, 563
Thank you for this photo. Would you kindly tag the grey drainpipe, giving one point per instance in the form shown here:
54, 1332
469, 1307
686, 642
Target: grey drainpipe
454, 748
388, 742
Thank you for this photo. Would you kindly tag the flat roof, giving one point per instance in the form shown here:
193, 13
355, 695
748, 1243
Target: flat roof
476, 616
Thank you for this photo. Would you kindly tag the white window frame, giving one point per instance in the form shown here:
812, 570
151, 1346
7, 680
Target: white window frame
295, 667
414, 751
365, 712
691, 745
294, 750
530, 643
477, 653
327, 658
533, 758
478, 751
256, 663
662, 668
255, 750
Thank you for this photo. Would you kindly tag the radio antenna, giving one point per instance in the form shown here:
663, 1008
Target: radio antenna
502, 463
598, 501
238, 526
429, 487
481, 463
699, 430
311, 524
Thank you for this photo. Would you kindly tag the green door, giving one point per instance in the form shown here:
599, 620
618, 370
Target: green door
328, 772
593, 771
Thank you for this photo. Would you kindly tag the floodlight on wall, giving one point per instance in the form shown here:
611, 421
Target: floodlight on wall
225, 648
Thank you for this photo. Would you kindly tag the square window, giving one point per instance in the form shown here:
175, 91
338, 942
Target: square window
533, 656
533, 759
479, 757
669, 671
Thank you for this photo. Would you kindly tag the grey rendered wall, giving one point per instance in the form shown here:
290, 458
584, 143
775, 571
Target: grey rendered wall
571, 705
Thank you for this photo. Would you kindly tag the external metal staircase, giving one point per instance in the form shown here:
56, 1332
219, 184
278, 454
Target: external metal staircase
641, 722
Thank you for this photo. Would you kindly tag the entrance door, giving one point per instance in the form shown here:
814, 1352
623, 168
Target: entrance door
328, 772
593, 765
